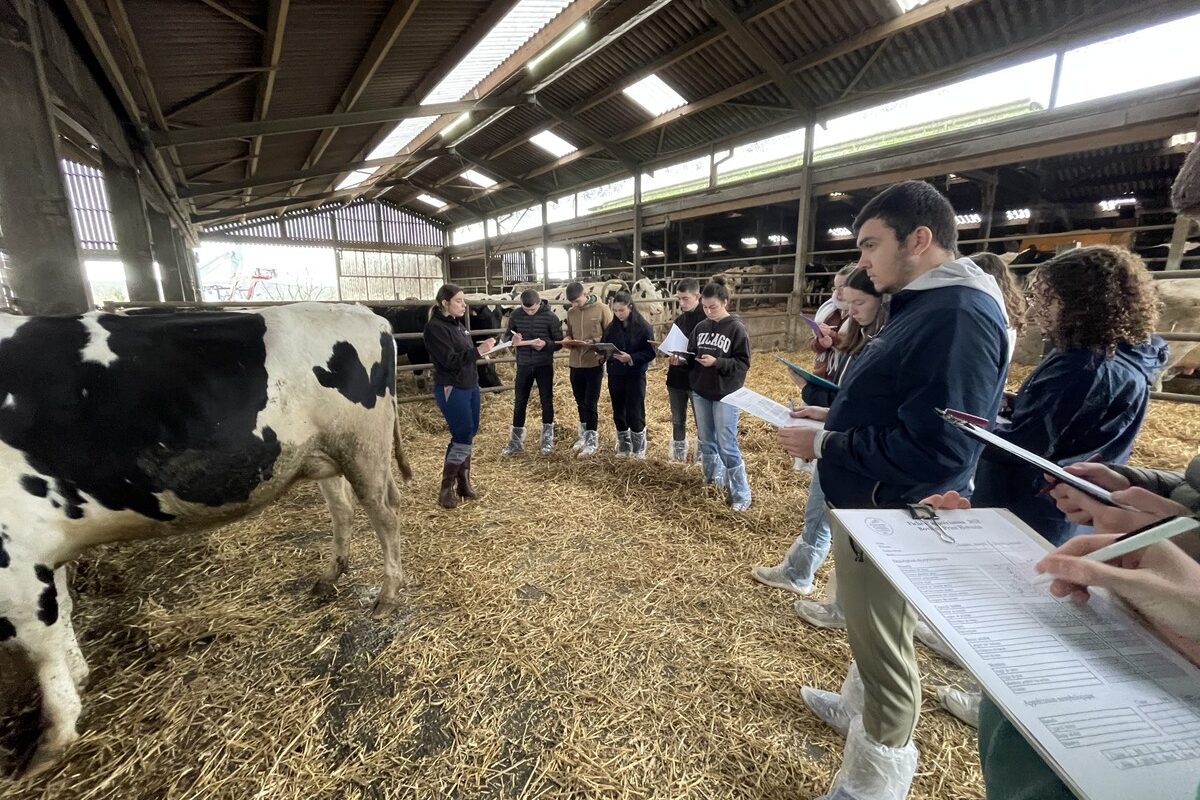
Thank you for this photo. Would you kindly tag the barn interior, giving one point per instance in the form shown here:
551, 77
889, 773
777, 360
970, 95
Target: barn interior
589, 629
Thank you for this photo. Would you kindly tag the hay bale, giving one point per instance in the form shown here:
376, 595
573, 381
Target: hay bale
588, 628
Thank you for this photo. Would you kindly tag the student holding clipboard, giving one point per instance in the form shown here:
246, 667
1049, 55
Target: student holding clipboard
945, 343
630, 333
1087, 398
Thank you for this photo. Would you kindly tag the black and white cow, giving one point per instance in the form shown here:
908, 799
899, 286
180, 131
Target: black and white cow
412, 319
117, 427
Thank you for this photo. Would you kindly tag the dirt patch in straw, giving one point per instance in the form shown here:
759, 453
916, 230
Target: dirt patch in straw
586, 629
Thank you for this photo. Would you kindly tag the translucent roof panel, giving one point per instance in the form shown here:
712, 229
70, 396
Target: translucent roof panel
479, 179
1139, 60
553, 144
518, 27
653, 94
430, 200
908, 5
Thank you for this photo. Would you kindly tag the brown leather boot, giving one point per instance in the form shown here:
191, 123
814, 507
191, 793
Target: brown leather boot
464, 481
447, 498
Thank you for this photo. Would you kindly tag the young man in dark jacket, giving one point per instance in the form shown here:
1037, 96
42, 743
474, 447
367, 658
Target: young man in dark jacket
945, 345
535, 333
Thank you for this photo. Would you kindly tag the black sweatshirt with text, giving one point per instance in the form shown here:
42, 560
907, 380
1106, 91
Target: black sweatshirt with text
728, 341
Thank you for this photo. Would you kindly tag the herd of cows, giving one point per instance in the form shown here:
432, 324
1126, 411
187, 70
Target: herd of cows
117, 427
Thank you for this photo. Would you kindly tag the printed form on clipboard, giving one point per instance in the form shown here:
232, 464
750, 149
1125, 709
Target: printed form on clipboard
1110, 707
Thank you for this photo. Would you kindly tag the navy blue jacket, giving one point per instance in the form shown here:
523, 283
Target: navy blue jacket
944, 347
1076, 405
634, 340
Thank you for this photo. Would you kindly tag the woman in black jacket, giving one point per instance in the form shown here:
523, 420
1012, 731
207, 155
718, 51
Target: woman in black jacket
631, 334
455, 387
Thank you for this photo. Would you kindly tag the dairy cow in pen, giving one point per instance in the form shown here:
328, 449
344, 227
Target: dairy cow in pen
118, 427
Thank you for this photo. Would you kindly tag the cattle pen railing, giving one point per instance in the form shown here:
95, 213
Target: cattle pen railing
792, 314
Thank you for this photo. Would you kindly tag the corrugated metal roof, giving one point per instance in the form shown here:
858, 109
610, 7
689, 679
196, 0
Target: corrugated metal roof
189, 48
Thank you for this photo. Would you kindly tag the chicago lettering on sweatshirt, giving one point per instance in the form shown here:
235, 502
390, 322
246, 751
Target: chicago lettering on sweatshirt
727, 341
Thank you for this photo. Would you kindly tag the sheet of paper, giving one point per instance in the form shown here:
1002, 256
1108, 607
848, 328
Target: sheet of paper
499, 346
1111, 708
767, 409
675, 341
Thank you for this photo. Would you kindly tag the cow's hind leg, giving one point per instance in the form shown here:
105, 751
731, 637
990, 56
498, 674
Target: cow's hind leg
32, 618
339, 498
380, 498
75, 660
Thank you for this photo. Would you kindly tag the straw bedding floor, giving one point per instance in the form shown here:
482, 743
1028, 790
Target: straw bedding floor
586, 629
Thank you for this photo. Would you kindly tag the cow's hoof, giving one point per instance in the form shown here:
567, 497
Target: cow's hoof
384, 608
43, 759
324, 590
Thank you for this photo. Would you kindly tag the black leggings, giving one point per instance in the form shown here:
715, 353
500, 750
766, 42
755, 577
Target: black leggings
585, 384
628, 394
544, 375
681, 400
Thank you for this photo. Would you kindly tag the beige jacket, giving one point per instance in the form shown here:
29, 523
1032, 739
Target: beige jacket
588, 322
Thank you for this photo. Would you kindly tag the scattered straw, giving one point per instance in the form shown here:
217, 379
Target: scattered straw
587, 629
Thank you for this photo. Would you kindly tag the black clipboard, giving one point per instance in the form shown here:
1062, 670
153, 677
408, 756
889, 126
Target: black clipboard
965, 423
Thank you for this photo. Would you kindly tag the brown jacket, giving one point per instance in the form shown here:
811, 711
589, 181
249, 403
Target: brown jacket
588, 322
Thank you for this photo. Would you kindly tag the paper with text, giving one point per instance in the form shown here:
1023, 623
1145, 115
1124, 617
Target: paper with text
767, 409
1110, 707
674, 342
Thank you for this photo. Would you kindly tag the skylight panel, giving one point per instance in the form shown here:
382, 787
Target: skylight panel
908, 5
430, 200
354, 179
750, 241
653, 94
555, 45
518, 26
553, 144
479, 179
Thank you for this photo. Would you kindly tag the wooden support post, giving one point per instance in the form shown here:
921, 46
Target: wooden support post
35, 213
637, 226
804, 228
133, 232
986, 212
487, 261
188, 275
1179, 234
166, 253
545, 248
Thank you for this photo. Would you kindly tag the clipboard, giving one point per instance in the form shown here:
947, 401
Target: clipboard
815, 380
968, 424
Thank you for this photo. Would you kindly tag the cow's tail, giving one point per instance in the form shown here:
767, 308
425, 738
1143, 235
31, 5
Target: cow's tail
398, 448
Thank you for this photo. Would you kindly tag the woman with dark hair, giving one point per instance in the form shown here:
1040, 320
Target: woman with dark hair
455, 388
719, 366
679, 390
630, 333
865, 316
